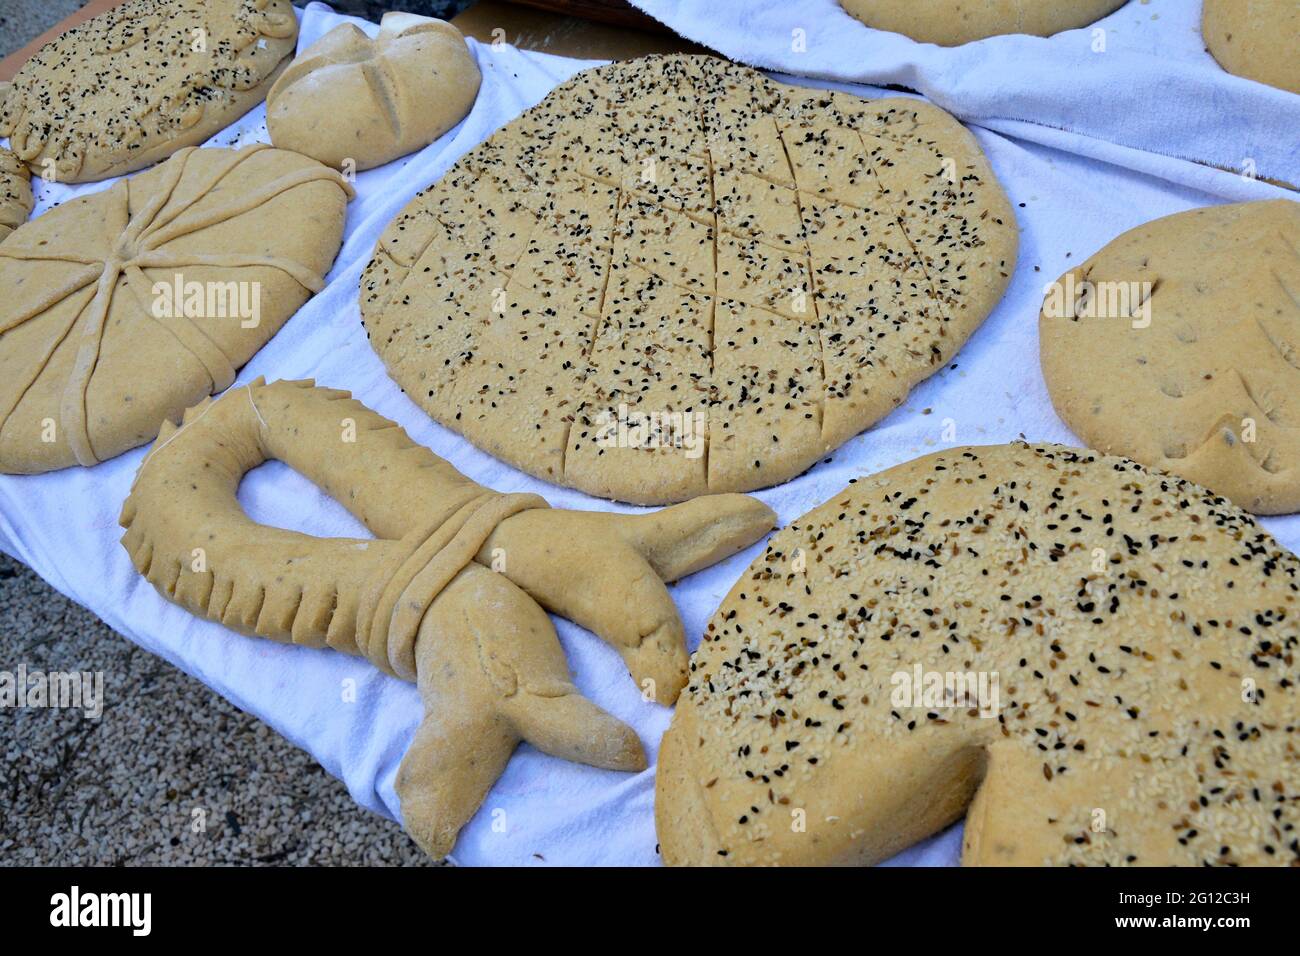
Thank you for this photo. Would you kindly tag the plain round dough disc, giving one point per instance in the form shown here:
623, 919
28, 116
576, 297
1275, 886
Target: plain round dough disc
954, 22
674, 277
1210, 389
126, 306
1257, 39
138, 82
1093, 663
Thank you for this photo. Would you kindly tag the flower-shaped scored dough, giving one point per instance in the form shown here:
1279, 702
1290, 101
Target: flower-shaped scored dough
125, 306
953, 22
449, 594
1178, 345
1094, 663
349, 98
673, 276
133, 85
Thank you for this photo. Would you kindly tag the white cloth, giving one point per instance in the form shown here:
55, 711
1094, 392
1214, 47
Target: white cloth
1139, 78
544, 810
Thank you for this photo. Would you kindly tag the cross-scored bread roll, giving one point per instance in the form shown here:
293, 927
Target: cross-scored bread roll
349, 97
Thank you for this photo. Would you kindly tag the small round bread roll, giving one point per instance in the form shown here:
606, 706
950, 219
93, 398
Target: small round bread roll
1255, 39
351, 98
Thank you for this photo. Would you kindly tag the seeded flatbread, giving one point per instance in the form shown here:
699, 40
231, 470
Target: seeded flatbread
1210, 388
351, 98
751, 274
953, 22
125, 306
1255, 39
133, 85
15, 192
1126, 641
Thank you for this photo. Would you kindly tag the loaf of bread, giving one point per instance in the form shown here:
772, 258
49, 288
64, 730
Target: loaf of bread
133, 85
351, 98
1093, 663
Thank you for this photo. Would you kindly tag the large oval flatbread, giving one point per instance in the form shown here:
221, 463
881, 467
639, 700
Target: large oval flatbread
1257, 39
124, 307
1178, 345
1094, 663
953, 22
673, 277
138, 82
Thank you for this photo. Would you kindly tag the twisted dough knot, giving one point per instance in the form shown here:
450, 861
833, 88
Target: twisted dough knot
419, 600
393, 605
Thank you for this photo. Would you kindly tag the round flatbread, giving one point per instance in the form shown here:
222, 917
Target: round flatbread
349, 98
953, 22
133, 85
1255, 39
15, 192
1178, 345
1092, 662
672, 277
126, 306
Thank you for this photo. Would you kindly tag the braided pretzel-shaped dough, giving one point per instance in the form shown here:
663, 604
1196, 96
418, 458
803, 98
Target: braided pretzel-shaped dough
419, 601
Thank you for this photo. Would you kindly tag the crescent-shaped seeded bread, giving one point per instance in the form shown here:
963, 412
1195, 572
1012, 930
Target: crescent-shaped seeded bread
953, 22
744, 275
1257, 39
126, 306
15, 192
1204, 380
138, 82
348, 97
1134, 633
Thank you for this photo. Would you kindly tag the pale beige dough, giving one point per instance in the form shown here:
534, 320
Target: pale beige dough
1141, 632
349, 98
15, 192
673, 276
953, 22
97, 347
133, 85
1210, 389
451, 593
1257, 39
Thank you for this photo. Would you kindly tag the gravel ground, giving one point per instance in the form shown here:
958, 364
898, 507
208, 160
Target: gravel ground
170, 774
21, 21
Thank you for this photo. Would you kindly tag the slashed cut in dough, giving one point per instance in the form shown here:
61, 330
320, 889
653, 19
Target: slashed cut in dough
1106, 664
673, 276
127, 305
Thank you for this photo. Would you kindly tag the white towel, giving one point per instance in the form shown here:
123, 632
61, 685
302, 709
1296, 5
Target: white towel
544, 810
1138, 79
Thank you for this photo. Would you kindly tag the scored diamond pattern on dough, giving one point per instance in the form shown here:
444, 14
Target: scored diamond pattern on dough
634, 206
